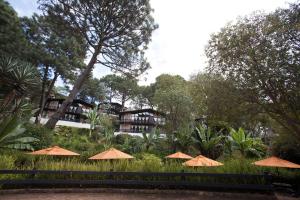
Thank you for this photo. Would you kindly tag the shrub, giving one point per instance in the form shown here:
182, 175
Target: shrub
44, 135
121, 138
74, 139
148, 163
286, 147
129, 144
7, 161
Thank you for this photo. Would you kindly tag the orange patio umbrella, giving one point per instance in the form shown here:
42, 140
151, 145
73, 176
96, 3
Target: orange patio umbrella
54, 151
179, 155
276, 162
111, 154
202, 161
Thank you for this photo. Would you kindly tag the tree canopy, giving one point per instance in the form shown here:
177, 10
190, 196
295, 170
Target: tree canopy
12, 39
56, 53
92, 90
120, 88
116, 35
260, 55
172, 97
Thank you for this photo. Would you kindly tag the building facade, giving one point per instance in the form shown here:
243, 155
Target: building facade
76, 112
140, 121
128, 121
110, 108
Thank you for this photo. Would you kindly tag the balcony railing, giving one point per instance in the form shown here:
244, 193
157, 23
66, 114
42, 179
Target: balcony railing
141, 122
135, 130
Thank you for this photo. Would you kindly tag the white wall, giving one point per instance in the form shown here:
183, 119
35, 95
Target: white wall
66, 123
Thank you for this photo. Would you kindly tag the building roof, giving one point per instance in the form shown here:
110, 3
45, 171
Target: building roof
150, 110
80, 101
112, 103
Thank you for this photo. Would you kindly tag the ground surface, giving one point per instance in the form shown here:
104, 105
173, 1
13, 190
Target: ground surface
130, 195
109, 196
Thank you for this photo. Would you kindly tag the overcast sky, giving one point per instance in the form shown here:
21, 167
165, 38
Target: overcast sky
185, 27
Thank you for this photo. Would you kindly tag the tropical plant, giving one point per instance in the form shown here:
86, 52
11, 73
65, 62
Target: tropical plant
183, 139
132, 144
44, 135
107, 130
245, 144
208, 141
12, 135
107, 140
93, 118
150, 139
17, 80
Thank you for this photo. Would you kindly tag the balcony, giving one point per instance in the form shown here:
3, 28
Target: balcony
138, 122
135, 130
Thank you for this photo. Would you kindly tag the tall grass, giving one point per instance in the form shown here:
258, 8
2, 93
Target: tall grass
142, 163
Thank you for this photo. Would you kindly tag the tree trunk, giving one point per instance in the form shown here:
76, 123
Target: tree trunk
52, 84
8, 99
123, 101
42, 99
78, 84
48, 92
110, 97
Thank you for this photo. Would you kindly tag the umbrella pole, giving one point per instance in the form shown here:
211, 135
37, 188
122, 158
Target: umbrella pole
277, 170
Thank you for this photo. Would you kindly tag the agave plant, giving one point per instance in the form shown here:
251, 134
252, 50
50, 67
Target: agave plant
17, 78
12, 135
245, 144
209, 141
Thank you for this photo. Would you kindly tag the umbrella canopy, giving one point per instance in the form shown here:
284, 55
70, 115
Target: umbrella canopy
202, 161
54, 151
111, 154
179, 155
276, 162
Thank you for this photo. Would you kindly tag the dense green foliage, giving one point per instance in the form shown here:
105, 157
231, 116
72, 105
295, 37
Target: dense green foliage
57, 54
12, 134
12, 39
92, 91
171, 97
259, 54
209, 142
120, 88
245, 144
18, 80
93, 119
